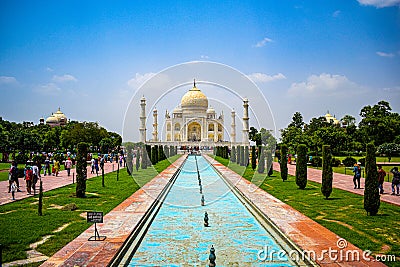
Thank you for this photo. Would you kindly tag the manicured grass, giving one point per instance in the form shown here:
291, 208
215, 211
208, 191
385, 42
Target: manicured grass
20, 224
343, 213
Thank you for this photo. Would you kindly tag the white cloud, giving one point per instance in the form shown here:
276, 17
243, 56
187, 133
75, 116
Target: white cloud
323, 84
263, 42
262, 77
204, 57
48, 89
379, 3
8, 80
139, 79
336, 13
64, 78
383, 54
49, 69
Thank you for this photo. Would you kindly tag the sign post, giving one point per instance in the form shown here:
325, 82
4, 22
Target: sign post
95, 217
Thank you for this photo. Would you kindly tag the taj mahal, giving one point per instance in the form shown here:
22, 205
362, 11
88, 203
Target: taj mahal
194, 122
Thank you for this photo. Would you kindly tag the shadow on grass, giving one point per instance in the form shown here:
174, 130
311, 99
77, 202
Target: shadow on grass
333, 198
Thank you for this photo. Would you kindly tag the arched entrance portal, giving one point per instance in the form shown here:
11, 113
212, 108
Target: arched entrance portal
194, 131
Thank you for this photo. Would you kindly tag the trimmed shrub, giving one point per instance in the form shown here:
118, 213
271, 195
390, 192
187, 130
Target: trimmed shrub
81, 173
327, 174
238, 155
349, 162
261, 160
316, 161
246, 156
335, 162
283, 162
269, 162
233, 154
371, 192
301, 166
129, 158
253, 158
137, 163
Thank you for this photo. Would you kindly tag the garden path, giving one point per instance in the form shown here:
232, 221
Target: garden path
49, 183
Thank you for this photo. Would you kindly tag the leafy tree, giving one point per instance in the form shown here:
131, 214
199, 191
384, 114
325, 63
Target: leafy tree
106, 144
81, 169
297, 121
301, 166
348, 120
327, 173
371, 192
379, 124
283, 162
389, 149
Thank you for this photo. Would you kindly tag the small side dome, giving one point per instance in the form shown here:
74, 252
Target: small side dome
177, 110
211, 110
51, 119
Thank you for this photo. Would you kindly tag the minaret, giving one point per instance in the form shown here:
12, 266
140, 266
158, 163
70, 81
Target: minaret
233, 128
155, 126
245, 121
142, 128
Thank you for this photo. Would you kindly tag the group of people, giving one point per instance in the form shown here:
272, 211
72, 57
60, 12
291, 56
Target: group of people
381, 179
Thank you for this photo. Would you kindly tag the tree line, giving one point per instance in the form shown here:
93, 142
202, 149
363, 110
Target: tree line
378, 125
25, 137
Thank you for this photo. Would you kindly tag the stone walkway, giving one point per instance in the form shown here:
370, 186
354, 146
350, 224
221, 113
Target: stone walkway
49, 183
344, 182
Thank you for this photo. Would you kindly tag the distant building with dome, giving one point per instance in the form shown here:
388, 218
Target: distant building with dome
56, 119
331, 119
193, 121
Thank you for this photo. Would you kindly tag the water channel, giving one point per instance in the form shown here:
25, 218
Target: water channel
178, 237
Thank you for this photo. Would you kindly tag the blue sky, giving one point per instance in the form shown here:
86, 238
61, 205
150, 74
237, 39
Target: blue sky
89, 57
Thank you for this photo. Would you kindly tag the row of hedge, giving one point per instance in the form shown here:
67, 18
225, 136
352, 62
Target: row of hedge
348, 162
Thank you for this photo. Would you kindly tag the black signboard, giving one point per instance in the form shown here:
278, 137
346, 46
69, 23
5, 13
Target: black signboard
95, 216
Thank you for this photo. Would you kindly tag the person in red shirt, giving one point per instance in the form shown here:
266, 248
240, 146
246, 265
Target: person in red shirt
28, 178
381, 178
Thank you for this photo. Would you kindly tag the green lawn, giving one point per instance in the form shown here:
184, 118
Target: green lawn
343, 213
20, 225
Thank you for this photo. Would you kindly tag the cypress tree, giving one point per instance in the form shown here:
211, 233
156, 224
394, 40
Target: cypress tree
129, 158
246, 155
283, 163
81, 173
148, 156
269, 162
238, 155
242, 156
40, 205
327, 175
143, 157
137, 165
253, 158
161, 153
371, 192
301, 166
261, 160
233, 154
166, 151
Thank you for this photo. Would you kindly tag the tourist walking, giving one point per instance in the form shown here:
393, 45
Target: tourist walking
35, 175
92, 164
13, 188
13, 176
102, 162
28, 178
56, 167
357, 176
395, 180
96, 166
47, 166
381, 178
68, 165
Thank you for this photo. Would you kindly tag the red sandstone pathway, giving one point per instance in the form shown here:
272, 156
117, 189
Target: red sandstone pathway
49, 183
344, 182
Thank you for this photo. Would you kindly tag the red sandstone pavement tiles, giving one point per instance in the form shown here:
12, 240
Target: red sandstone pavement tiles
307, 234
117, 226
49, 183
344, 182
